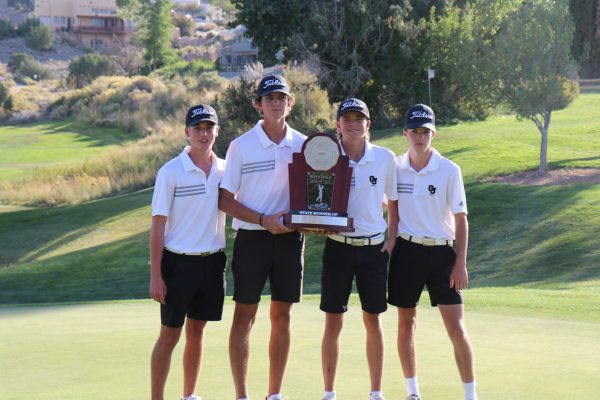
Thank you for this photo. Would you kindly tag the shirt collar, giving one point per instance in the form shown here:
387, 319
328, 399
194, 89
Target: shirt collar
432, 165
367, 157
265, 141
188, 164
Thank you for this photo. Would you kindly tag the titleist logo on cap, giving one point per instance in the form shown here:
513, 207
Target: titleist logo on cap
351, 103
420, 114
271, 82
200, 111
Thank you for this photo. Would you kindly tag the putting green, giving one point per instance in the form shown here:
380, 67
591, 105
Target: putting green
102, 350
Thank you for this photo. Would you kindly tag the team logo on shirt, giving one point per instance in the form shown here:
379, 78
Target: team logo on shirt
373, 180
431, 189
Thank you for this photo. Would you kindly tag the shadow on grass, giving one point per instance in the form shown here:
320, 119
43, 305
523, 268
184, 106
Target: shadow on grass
564, 162
28, 234
94, 135
118, 270
533, 235
519, 236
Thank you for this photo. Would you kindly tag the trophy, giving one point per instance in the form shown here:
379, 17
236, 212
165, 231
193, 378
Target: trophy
320, 179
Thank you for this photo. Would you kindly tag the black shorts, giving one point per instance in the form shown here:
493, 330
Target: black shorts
258, 255
341, 262
414, 266
195, 287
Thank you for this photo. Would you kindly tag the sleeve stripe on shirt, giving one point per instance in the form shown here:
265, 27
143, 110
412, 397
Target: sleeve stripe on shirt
405, 188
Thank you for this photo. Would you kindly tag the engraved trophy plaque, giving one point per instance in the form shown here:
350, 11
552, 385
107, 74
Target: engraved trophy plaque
320, 179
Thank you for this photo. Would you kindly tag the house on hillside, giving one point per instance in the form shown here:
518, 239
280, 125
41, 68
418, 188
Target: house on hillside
93, 23
237, 50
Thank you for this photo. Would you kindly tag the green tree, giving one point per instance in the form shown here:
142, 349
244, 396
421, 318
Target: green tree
153, 29
26, 26
272, 25
457, 45
365, 48
83, 70
40, 38
586, 43
536, 70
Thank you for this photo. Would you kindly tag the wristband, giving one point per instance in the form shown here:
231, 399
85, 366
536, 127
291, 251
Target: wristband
260, 219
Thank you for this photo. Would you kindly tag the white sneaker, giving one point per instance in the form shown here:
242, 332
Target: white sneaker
191, 397
413, 397
378, 397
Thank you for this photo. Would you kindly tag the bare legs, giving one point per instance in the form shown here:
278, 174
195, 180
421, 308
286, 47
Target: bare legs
279, 344
192, 357
330, 348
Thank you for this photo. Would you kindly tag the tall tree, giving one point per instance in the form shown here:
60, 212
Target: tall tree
364, 48
457, 45
535, 66
272, 25
586, 43
153, 29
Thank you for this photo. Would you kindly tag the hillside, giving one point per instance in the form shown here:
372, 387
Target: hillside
57, 59
532, 236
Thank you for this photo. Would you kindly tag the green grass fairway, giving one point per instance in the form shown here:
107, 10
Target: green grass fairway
101, 351
25, 148
535, 236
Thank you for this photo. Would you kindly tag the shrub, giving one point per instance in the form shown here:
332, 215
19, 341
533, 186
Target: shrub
26, 26
6, 29
83, 70
6, 102
39, 38
25, 67
135, 104
312, 111
130, 167
185, 68
185, 23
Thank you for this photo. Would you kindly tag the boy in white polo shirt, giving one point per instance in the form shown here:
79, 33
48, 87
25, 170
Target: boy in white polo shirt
432, 215
363, 253
186, 250
255, 191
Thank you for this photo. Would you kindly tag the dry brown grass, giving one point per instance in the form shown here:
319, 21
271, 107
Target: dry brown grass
131, 167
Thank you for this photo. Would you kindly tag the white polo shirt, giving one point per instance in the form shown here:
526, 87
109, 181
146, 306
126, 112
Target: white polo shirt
428, 199
257, 171
190, 200
373, 176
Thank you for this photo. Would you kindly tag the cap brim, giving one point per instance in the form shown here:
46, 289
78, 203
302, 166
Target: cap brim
421, 125
197, 121
351, 109
268, 92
